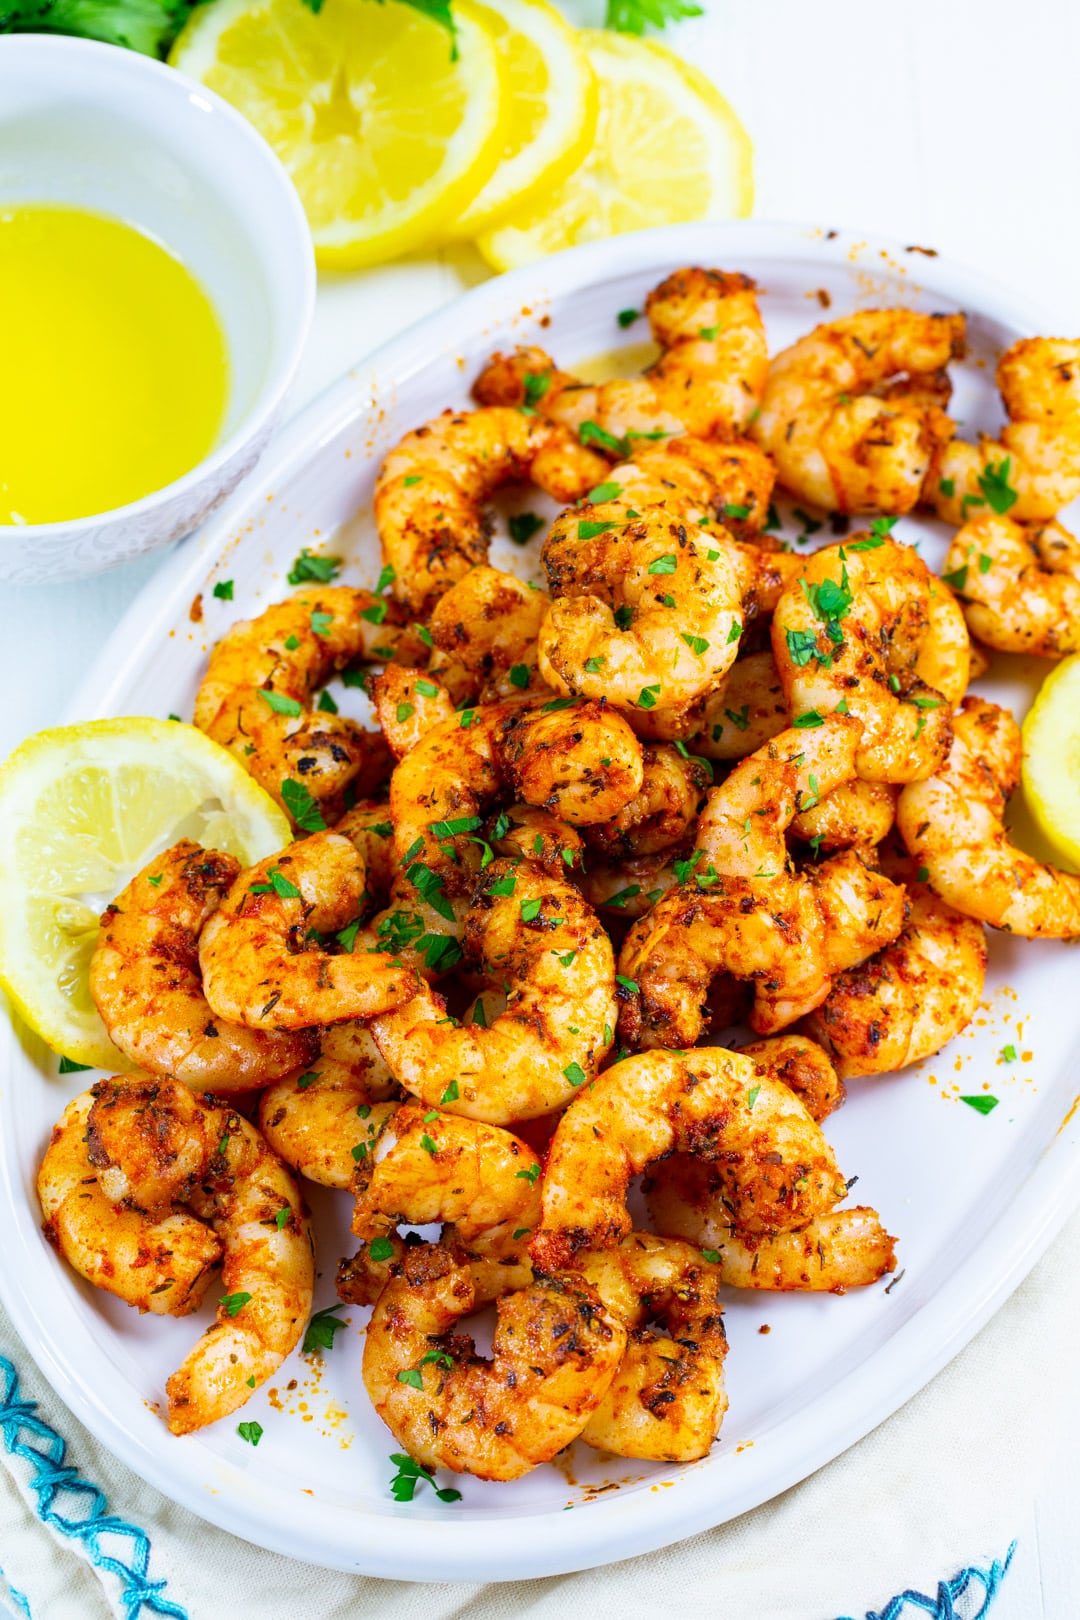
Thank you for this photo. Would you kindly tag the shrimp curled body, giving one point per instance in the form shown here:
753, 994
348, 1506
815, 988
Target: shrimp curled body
555, 1351
843, 438
316, 1120
1020, 587
777, 1169
157, 1148
144, 978
953, 825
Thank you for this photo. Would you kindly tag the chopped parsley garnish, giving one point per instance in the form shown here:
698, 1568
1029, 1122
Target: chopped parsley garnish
711, 1255
1009, 1053
752, 1096
593, 666
802, 646
630, 985
413, 479
696, 644
620, 899
451, 828
387, 576
627, 317
575, 1074
530, 1175
223, 590
730, 511
740, 718
380, 1248
522, 526
709, 333
666, 564
321, 622
957, 577
405, 711
994, 483
537, 384
375, 614
983, 1104
811, 525
947, 487
808, 720
530, 910
279, 704
647, 697
276, 883
309, 566
605, 492
322, 1327
302, 806
451, 1094
69, 1066
593, 433
326, 704
411, 1474
234, 1303
251, 1431
632, 16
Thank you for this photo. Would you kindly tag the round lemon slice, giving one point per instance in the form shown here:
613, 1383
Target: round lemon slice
82, 809
1052, 760
551, 112
387, 123
668, 149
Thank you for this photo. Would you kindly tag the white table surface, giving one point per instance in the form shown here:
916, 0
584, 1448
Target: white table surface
947, 123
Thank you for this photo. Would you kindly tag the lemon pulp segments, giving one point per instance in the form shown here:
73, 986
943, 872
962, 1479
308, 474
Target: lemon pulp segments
551, 108
1052, 760
82, 808
386, 135
668, 148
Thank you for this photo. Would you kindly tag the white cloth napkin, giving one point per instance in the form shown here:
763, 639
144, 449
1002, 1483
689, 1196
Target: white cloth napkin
917, 1519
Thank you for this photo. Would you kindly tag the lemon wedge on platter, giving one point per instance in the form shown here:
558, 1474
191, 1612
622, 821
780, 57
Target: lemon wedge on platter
82, 809
1051, 769
387, 124
551, 112
668, 149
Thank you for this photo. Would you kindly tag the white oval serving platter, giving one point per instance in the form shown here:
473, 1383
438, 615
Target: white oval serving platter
973, 1199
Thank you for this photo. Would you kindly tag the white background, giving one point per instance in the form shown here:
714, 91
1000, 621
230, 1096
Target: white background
947, 123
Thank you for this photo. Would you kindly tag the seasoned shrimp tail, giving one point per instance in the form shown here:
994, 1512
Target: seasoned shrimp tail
837, 1250
145, 980
777, 1169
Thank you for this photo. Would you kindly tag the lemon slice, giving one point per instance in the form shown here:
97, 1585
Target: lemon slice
1052, 760
551, 115
668, 149
386, 132
82, 809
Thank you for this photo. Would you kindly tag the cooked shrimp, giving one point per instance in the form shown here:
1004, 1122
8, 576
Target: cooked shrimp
554, 1353
646, 611
579, 760
953, 825
741, 908
1020, 587
746, 711
838, 1250
1032, 469
777, 1168
910, 999
855, 815
478, 1180
317, 1120
707, 481
839, 435
631, 888
161, 1263
433, 486
852, 632
804, 1067
281, 952
707, 381
484, 630
662, 815
257, 697
408, 704
157, 1146
527, 832
144, 979
667, 1400
535, 937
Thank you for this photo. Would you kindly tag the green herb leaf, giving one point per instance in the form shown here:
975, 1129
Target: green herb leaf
279, 704
310, 566
957, 577
711, 1255
530, 910
326, 704
982, 1104
696, 644
250, 1431
530, 1175
1009, 1053
575, 1074
234, 1303
994, 483
605, 492
808, 720
69, 1066
647, 697
322, 1327
633, 16
223, 590
522, 526
593, 433
302, 806
752, 1096
381, 1248
537, 384
666, 564
627, 317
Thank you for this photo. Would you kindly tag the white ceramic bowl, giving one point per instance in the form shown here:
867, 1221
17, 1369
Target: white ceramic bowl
106, 129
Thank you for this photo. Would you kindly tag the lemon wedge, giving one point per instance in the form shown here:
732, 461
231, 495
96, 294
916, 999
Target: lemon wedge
387, 124
551, 112
1051, 773
82, 809
668, 149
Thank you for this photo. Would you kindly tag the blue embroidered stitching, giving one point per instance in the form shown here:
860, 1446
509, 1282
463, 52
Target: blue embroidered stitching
943, 1607
52, 1478
18, 1598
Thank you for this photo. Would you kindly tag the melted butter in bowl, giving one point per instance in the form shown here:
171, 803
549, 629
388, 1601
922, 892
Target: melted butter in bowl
116, 373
